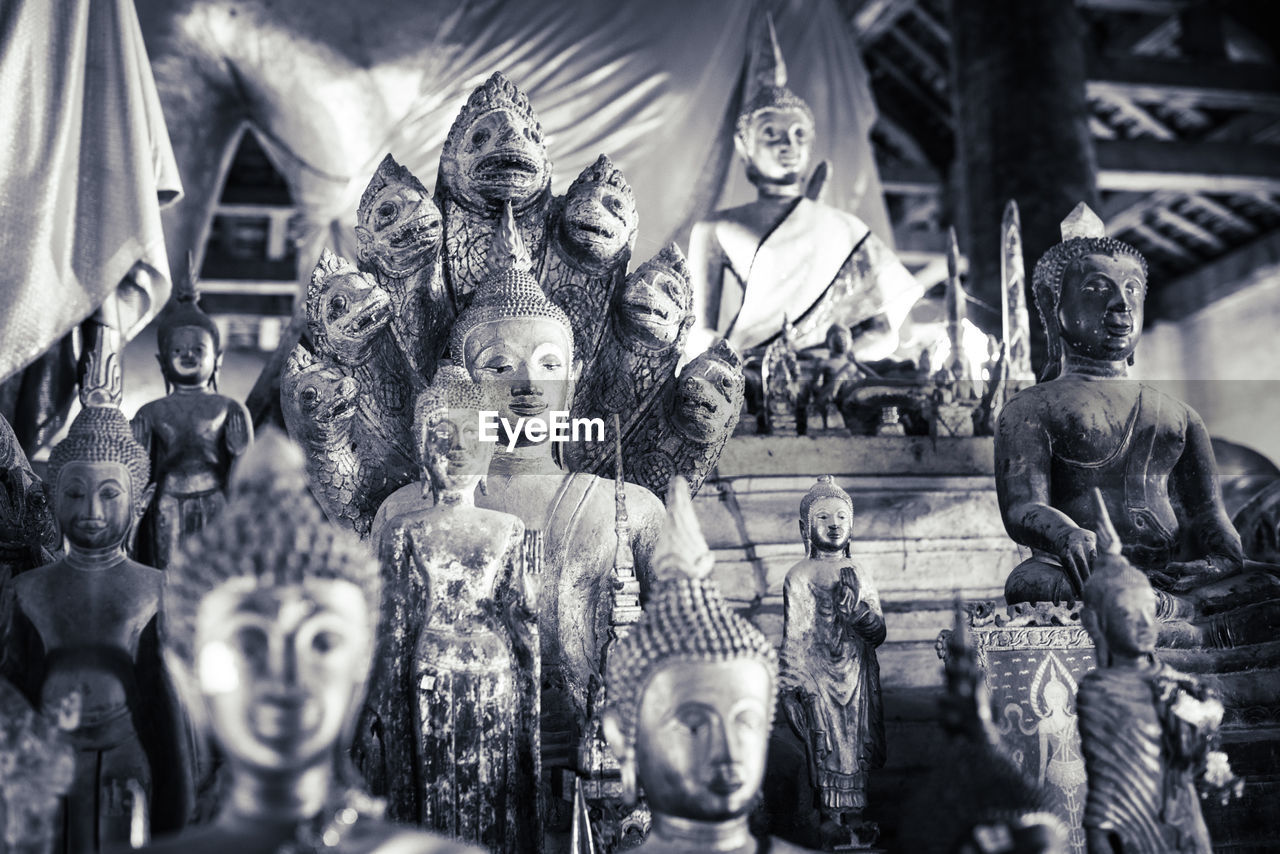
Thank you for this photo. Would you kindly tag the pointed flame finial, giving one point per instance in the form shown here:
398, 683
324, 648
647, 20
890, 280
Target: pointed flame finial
681, 549
1108, 539
507, 251
188, 290
773, 71
1082, 222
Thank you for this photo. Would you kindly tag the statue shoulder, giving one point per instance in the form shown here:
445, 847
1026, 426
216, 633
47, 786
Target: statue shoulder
1177, 412
643, 504
1030, 405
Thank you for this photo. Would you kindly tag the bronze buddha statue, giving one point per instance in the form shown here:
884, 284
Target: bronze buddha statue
691, 697
193, 434
86, 625
270, 619
1086, 426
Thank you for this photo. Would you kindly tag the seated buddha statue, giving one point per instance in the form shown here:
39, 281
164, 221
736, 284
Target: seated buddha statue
519, 346
1088, 425
691, 695
86, 625
786, 251
270, 627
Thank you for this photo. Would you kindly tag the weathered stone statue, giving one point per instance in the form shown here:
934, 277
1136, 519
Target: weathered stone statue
270, 618
691, 697
37, 767
453, 704
86, 625
193, 434
785, 251
830, 675
28, 535
519, 347
1148, 732
1088, 426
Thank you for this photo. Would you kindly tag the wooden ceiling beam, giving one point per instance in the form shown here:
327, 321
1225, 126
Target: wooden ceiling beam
1165, 244
1136, 114
1254, 263
1138, 7
1222, 212
874, 18
1228, 85
1143, 165
1198, 233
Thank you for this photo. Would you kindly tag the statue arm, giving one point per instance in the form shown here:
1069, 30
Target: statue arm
868, 618
238, 431
706, 265
1195, 481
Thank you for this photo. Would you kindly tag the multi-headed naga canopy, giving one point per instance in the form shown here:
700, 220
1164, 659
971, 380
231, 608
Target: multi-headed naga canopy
508, 291
686, 619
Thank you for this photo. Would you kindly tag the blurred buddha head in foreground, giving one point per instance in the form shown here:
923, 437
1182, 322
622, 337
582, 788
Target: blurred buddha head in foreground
691, 688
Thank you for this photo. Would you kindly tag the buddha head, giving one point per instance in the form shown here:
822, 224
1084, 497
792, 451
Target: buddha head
1120, 610
826, 519
776, 128
597, 220
513, 340
691, 689
494, 152
839, 340
708, 395
656, 301
446, 419
270, 618
399, 225
188, 344
317, 399
346, 309
1089, 290
100, 477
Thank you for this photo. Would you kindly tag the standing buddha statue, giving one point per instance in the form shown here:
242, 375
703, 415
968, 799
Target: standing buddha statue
463, 604
86, 625
691, 696
1148, 732
832, 624
270, 630
786, 251
193, 434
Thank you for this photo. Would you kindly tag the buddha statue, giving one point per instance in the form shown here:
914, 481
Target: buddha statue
691, 696
786, 251
494, 155
1086, 425
832, 624
835, 373
400, 235
453, 705
86, 625
519, 346
192, 435
1148, 733
270, 627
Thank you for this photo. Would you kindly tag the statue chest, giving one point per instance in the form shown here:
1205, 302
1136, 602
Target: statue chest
188, 430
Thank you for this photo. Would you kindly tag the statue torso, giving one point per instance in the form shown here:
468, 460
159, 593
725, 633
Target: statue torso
187, 433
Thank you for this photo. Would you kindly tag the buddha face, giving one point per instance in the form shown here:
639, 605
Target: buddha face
400, 229
777, 144
1131, 626
94, 504
318, 400
830, 524
1100, 310
282, 668
524, 365
708, 397
839, 340
349, 312
501, 158
656, 307
701, 736
190, 357
453, 454
598, 223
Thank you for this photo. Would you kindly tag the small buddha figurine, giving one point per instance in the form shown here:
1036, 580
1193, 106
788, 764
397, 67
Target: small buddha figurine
463, 604
1148, 732
270, 629
519, 346
1087, 425
838, 370
691, 697
87, 625
193, 434
785, 251
832, 624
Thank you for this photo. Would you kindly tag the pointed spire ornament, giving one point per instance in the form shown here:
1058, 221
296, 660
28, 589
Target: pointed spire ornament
766, 84
1015, 324
1082, 222
1108, 539
507, 252
681, 550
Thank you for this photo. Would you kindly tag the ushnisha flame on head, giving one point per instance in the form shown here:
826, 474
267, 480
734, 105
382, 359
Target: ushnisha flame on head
686, 618
508, 291
271, 531
768, 87
388, 172
603, 172
496, 93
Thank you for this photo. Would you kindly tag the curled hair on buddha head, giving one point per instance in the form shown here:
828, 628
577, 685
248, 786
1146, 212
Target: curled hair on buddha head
825, 487
509, 290
685, 620
767, 86
1083, 233
272, 532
